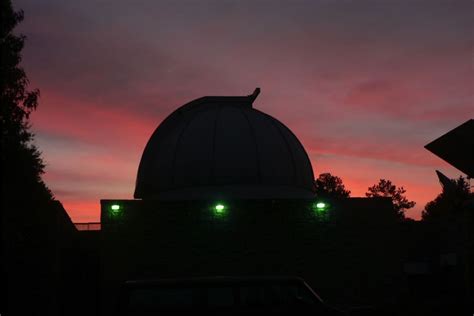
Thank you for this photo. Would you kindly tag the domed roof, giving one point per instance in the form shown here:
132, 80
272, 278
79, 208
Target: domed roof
221, 147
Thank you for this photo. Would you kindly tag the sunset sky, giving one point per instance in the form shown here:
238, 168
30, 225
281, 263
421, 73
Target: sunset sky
363, 84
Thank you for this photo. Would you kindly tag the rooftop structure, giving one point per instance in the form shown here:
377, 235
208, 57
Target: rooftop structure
222, 147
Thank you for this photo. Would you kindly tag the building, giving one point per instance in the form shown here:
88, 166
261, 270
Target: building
225, 189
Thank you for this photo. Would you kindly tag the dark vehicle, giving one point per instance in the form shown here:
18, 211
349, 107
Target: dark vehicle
222, 295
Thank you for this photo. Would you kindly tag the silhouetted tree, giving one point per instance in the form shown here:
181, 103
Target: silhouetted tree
22, 165
328, 185
24, 196
448, 203
385, 188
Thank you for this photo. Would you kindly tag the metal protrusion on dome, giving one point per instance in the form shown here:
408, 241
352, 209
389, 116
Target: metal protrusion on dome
254, 95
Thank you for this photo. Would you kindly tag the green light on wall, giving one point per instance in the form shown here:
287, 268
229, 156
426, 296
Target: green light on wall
219, 208
115, 209
321, 205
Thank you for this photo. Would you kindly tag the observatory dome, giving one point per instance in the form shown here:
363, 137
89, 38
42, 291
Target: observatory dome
223, 148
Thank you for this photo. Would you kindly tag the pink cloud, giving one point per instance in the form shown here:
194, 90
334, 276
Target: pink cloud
92, 123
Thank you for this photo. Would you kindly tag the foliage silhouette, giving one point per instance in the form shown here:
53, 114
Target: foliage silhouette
22, 165
385, 188
328, 185
448, 203
25, 200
